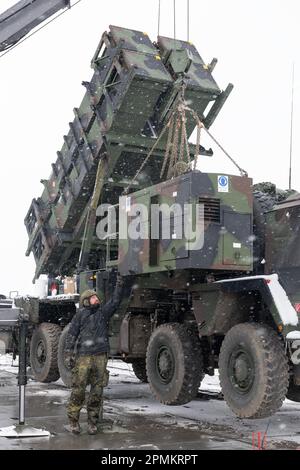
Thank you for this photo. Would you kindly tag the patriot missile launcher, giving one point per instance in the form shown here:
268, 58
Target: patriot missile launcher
203, 291
126, 104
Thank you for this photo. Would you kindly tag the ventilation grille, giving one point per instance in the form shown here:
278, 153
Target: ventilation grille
212, 211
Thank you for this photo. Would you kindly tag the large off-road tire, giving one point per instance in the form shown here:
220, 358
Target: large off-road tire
254, 372
139, 368
174, 364
65, 372
262, 203
43, 352
5, 342
293, 392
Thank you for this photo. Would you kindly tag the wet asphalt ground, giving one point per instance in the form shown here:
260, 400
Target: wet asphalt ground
134, 420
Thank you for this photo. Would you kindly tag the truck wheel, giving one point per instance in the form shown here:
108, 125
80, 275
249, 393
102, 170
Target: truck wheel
293, 392
43, 352
253, 370
65, 372
174, 364
262, 203
139, 368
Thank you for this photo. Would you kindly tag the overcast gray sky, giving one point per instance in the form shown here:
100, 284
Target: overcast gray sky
255, 41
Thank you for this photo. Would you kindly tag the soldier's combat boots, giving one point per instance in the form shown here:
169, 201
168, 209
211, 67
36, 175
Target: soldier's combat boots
92, 428
74, 427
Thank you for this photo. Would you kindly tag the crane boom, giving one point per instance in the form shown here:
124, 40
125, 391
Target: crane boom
19, 20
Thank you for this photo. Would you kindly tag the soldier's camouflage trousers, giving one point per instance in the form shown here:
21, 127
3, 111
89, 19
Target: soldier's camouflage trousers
88, 370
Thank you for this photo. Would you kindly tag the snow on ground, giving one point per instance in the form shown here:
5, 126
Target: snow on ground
119, 370
207, 412
203, 413
51, 393
7, 364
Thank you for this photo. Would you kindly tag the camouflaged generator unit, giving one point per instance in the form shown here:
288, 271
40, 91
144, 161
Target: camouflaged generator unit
226, 218
225, 303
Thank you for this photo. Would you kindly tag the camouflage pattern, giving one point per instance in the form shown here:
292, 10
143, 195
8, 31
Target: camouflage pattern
135, 90
88, 370
283, 244
181, 58
129, 99
227, 225
271, 189
86, 295
126, 104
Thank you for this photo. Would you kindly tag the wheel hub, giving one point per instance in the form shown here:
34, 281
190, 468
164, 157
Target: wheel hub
41, 353
241, 368
165, 364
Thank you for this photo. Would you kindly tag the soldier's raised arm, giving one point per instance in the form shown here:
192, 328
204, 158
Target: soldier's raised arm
111, 306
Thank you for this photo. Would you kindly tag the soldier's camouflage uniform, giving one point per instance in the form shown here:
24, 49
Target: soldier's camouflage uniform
88, 370
89, 328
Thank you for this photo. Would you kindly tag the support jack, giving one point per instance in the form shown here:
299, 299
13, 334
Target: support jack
22, 429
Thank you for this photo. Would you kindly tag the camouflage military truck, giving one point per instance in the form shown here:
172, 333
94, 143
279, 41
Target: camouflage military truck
6, 342
211, 264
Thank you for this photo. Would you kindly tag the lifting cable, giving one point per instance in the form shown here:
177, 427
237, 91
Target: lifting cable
177, 142
174, 20
174, 8
188, 20
158, 19
146, 159
242, 172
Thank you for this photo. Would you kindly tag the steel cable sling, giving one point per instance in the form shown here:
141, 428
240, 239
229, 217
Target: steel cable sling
171, 152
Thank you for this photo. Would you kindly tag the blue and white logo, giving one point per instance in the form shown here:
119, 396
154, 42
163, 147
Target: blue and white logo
223, 184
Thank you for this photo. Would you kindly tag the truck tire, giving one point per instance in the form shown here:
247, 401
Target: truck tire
139, 368
262, 203
293, 392
5, 343
254, 372
43, 352
65, 372
174, 364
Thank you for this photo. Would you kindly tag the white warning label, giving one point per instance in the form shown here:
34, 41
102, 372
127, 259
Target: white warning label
223, 184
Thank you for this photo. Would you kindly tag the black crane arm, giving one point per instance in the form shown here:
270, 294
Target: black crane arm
20, 19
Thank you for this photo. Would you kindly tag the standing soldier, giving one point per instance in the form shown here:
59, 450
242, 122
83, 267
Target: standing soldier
90, 327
